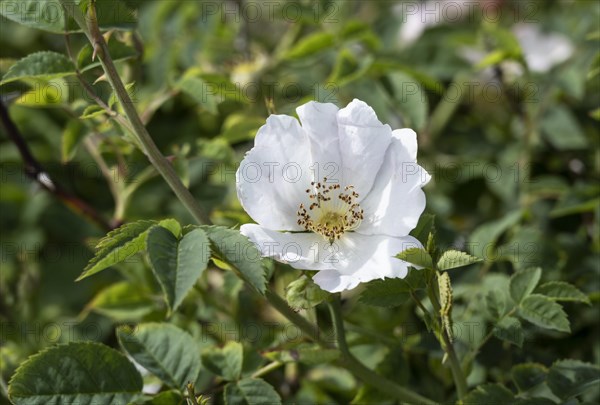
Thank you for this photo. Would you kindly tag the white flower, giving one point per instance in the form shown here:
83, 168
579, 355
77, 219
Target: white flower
542, 51
338, 194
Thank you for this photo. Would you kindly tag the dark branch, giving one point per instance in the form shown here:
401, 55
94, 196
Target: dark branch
34, 170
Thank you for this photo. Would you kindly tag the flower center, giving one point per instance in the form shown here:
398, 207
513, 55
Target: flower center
330, 215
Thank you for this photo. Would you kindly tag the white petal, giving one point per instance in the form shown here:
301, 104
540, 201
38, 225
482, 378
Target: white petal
273, 176
363, 142
396, 201
305, 251
366, 258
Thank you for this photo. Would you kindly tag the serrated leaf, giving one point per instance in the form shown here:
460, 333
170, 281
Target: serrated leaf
118, 245
238, 251
226, 361
495, 302
390, 292
510, 330
528, 375
452, 259
177, 264
310, 45
416, 256
251, 391
75, 373
166, 351
544, 312
569, 378
489, 394
40, 65
523, 283
304, 293
562, 291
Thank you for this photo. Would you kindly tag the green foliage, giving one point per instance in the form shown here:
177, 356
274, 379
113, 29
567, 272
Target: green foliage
81, 372
304, 294
40, 65
489, 394
177, 263
251, 391
163, 349
117, 246
226, 361
544, 312
230, 246
416, 256
562, 291
569, 378
452, 259
523, 283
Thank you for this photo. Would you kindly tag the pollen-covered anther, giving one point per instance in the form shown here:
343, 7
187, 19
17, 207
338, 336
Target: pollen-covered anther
331, 219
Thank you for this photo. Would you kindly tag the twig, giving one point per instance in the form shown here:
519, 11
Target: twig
34, 170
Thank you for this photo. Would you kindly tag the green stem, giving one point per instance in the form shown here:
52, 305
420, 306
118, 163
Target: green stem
458, 375
284, 309
360, 370
162, 165
267, 369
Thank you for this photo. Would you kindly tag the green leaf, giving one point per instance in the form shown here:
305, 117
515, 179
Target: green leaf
177, 264
509, 329
391, 292
303, 293
118, 245
251, 391
232, 247
562, 291
74, 132
523, 283
163, 349
75, 373
452, 259
483, 240
424, 227
171, 397
226, 361
47, 15
568, 378
528, 375
416, 256
495, 302
562, 130
310, 45
489, 394
122, 302
544, 312
40, 65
